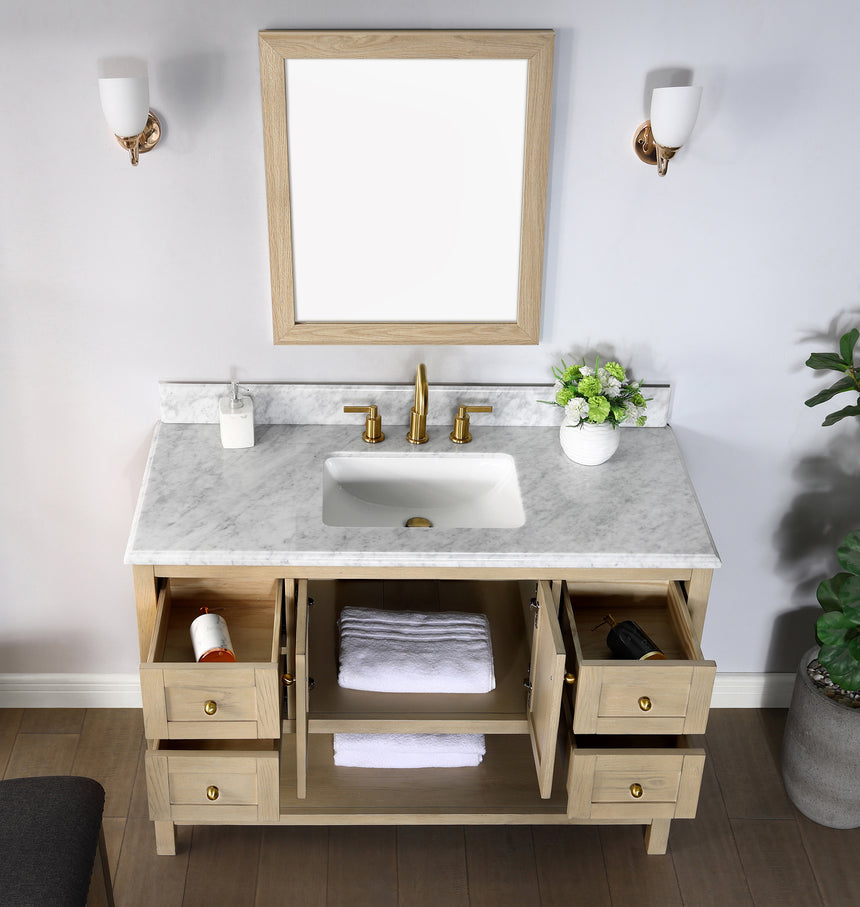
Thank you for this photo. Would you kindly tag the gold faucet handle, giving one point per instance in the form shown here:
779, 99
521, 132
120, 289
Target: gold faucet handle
461, 435
373, 424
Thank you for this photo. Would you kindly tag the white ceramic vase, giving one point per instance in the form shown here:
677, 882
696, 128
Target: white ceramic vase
589, 444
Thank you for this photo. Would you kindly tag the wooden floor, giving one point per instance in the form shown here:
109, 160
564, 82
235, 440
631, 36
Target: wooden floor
748, 844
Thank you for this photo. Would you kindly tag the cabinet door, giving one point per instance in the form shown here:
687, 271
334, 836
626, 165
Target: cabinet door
302, 688
546, 676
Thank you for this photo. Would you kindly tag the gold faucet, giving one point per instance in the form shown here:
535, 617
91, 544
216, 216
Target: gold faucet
418, 416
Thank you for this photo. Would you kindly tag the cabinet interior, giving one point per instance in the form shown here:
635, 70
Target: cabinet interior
332, 708
658, 608
248, 605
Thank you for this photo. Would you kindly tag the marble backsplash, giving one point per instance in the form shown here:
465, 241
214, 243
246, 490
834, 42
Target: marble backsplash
322, 404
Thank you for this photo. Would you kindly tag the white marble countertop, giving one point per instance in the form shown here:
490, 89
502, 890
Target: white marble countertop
200, 504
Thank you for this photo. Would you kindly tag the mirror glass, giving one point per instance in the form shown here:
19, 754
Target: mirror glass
406, 184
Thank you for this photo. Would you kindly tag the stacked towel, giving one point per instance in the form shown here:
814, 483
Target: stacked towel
408, 750
415, 652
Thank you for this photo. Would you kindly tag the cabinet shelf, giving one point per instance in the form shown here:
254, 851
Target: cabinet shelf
331, 708
503, 784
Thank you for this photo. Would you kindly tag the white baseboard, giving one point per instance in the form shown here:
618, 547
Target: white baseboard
122, 691
752, 691
70, 691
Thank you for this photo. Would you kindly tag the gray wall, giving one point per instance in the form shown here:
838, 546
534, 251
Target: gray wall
719, 279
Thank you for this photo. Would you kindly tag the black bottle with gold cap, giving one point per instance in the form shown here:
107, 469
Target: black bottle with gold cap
628, 640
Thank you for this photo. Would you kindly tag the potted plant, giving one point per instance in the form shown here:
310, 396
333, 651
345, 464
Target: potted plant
822, 733
595, 401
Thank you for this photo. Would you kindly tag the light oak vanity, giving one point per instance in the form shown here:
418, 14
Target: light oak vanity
573, 735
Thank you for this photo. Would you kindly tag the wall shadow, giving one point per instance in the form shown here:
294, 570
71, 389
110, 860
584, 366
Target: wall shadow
825, 508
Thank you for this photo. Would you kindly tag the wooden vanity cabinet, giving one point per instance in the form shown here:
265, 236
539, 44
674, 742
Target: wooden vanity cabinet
568, 740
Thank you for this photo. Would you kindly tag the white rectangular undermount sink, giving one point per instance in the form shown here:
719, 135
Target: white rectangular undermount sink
454, 491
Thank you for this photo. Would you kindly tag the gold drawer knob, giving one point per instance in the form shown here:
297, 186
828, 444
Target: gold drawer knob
570, 678
645, 703
212, 792
636, 791
210, 707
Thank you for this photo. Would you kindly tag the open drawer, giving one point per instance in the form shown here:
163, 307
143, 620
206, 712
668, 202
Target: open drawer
224, 782
610, 695
186, 700
618, 778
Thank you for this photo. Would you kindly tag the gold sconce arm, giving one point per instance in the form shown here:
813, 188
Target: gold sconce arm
649, 151
146, 141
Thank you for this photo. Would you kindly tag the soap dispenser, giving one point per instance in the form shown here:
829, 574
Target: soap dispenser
237, 419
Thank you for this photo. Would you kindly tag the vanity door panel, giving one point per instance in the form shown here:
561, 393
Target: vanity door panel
546, 677
302, 686
612, 695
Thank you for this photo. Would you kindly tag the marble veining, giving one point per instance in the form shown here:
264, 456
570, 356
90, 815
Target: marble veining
201, 504
322, 404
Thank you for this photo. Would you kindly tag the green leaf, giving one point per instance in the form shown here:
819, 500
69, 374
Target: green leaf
843, 668
842, 385
833, 418
847, 344
848, 553
851, 610
829, 592
827, 360
832, 628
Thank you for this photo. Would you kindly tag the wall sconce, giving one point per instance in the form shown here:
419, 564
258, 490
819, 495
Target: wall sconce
673, 115
124, 91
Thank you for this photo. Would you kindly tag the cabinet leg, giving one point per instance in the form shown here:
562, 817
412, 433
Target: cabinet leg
657, 836
165, 838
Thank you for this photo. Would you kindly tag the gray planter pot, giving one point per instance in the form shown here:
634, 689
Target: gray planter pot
821, 754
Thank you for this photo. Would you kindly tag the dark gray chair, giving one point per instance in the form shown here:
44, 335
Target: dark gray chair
52, 843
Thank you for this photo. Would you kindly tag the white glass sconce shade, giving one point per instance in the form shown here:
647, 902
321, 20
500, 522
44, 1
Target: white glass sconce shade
673, 114
125, 102
124, 92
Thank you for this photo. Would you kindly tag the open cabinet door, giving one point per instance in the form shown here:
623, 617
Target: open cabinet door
546, 677
302, 686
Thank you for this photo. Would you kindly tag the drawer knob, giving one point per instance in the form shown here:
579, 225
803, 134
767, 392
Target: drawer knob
212, 792
570, 678
210, 707
636, 791
645, 703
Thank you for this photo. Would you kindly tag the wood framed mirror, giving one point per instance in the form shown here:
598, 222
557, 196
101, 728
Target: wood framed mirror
406, 180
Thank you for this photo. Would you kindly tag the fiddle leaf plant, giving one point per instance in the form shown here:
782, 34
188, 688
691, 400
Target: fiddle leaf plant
843, 361
838, 629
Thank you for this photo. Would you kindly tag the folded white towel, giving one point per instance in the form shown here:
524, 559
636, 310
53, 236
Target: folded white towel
415, 652
408, 750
